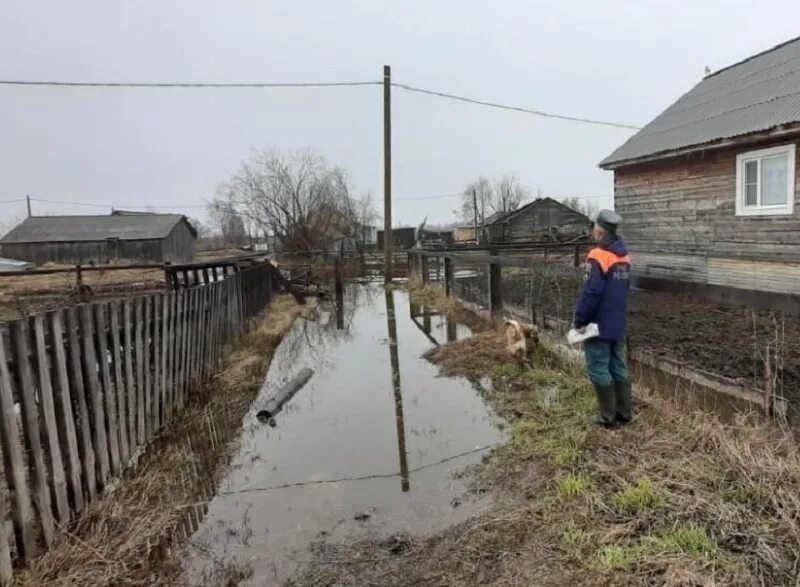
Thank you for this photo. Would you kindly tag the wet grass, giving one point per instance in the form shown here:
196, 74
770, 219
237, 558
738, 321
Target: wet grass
675, 498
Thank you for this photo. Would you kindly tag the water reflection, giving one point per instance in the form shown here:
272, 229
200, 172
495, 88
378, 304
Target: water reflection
394, 360
332, 463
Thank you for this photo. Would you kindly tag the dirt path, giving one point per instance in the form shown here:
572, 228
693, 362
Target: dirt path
673, 499
130, 536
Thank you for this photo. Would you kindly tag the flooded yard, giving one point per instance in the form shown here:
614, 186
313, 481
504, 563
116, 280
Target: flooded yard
371, 446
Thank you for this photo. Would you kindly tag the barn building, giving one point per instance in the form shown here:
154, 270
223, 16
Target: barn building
544, 219
98, 240
709, 189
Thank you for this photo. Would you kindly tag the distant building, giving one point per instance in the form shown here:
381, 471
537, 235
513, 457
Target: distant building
464, 234
544, 219
402, 238
97, 240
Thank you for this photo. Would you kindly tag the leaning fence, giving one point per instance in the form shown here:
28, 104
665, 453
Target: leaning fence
83, 389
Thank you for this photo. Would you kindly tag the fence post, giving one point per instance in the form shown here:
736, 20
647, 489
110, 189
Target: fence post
495, 288
337, 280
576, 256
449, 278
426, 277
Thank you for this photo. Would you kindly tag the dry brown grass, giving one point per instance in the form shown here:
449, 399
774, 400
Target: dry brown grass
676, 498
132, 535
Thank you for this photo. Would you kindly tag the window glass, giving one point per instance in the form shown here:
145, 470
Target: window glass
774, 177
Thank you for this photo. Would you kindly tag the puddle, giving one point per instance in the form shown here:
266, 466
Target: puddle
369, 447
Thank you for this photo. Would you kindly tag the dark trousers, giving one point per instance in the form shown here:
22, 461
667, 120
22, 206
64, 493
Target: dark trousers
605, 361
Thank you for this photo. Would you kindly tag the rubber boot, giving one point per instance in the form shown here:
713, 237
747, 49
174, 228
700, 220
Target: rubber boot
607, 404
622, 392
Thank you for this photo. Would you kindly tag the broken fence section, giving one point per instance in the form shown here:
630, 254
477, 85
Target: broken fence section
84, 389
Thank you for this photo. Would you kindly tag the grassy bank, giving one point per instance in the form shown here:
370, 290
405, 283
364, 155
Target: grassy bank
673, 499
132, 535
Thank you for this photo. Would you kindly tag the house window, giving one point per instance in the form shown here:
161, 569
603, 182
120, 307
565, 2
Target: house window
765, 182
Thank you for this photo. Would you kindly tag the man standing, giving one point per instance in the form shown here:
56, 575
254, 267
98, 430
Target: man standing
604, 301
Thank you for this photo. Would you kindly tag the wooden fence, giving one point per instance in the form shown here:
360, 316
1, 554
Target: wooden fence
83, 389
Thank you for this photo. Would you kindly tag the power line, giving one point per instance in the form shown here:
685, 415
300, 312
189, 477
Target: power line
12, 201
463, 195
262, 85
515, 108
213, 85
94, 205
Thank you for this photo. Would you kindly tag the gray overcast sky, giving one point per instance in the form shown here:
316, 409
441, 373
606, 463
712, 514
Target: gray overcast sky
620, 61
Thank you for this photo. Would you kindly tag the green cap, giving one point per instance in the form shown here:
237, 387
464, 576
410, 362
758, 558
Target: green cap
609, 220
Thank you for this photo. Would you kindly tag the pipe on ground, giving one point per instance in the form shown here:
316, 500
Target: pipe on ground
285, 393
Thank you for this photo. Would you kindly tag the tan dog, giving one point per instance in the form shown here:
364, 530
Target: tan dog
517, 336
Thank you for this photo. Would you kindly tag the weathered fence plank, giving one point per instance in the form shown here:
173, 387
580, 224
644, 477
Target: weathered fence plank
139, 365
50, 428
88, 457
6, 570
30, 422
165, 317
14, 461
109, 393
63, 398
170, 389
95, 393
148, 372
130, 384
179, 328
155, 404
119, 384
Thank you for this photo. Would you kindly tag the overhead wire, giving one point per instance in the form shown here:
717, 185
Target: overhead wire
261, 85
113, 205
514, 108
210, 85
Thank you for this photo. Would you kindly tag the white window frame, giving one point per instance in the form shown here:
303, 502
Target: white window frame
773, 210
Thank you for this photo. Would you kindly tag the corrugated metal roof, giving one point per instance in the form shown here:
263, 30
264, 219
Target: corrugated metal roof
40, 229
755, 95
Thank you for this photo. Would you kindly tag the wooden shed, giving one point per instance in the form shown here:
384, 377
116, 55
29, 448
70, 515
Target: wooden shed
709, 189
403, 238
119, 237
540, 220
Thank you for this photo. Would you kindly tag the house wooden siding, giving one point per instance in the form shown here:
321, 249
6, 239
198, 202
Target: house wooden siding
544, 219
680, 223
464, 234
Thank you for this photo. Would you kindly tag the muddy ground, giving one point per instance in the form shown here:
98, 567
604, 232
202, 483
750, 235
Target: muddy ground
673, 499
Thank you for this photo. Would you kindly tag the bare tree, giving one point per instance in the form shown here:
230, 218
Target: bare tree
296, 195
227, 219
6, 224
477, 201
508, 194
203, 231
502, 195
365, 216
585, 207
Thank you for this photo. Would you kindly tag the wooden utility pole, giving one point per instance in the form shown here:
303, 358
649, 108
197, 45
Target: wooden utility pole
28, 200
387, 174
475, 210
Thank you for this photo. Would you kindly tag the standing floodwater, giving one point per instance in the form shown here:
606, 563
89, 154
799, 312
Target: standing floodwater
368, 447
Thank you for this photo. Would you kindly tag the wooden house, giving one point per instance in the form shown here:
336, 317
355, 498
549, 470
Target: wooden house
99, 240
708, 190
544, 219
464, 234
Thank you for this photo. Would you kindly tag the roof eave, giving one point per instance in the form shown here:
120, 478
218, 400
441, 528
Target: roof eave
741, 140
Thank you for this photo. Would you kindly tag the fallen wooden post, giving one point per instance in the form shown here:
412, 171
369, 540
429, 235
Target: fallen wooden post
285, 393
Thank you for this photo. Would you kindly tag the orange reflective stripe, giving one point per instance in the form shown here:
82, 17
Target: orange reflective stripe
606, 259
